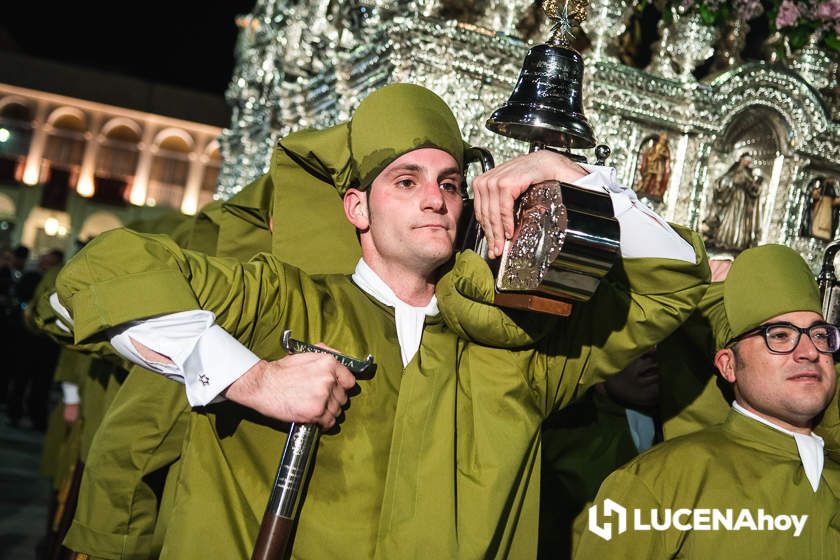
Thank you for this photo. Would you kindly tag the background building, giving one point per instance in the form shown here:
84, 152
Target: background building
83, 151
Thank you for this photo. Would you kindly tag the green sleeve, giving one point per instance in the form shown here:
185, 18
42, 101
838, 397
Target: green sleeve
692, 394
45, 319
639, 304
465, 296
124, 276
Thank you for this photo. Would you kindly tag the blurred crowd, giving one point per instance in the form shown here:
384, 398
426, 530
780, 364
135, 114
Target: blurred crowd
29, 356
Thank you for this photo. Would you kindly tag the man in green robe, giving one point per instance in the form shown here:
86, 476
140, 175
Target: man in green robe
763, 465
88, 385
438, 452
133, 464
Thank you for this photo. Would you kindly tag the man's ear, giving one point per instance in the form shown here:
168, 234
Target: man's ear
725, 363
356, 209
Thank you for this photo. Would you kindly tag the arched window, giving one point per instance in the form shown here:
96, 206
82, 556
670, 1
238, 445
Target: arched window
64, 151
116, 161
211, 175
66, 141
170, 167
118, 153
15, 137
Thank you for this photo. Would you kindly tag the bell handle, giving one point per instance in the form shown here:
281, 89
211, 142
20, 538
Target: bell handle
482, 156
827, 279
469, 231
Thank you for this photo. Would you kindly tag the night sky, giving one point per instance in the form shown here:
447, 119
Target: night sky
186, 43
180, 42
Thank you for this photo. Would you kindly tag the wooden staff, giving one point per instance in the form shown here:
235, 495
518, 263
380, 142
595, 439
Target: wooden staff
284, 502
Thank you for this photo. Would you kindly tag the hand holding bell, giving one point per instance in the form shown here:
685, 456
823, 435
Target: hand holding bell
497, 191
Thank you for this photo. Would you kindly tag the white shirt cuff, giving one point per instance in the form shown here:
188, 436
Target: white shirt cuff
205, 357
70, 393
61, 310
644, 234
217, 361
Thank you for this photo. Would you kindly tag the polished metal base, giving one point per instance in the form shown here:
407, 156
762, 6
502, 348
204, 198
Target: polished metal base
565, 242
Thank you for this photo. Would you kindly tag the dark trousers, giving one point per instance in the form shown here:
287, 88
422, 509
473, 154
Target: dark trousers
30, 372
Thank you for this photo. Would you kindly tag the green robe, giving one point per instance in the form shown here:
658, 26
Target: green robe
439, 459
98, 372
134, 466
738, 464
61, 442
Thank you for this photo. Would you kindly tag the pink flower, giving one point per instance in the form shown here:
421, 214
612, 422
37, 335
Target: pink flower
828, 10
788, 14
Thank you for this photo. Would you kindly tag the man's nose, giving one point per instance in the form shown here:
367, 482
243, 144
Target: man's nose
433, 196
806, 349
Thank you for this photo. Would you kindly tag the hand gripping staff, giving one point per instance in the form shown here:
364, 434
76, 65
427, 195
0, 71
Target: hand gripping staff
284, 502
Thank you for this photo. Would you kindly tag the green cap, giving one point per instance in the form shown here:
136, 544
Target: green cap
390, 122
396, 120
765, 282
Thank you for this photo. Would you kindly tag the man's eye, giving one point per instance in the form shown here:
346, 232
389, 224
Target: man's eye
820, 334
779, 335
405, 183
451, 188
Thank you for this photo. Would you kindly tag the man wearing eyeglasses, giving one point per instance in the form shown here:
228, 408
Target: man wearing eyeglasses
759, 485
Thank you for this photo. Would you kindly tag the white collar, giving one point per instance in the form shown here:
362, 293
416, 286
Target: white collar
409, 319
810, 446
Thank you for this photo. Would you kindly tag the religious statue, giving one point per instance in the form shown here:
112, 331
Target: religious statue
654, 168
822, 210
733, 217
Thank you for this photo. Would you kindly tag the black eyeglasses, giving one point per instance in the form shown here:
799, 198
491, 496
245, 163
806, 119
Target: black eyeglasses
783, 338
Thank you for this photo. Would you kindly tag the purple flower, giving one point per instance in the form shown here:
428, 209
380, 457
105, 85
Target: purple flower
788, 14
828, 10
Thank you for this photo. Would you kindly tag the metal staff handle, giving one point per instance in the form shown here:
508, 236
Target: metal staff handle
284, 503
829, 286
